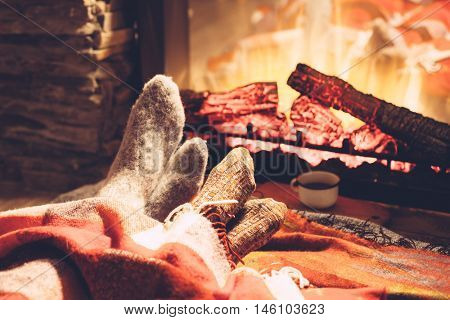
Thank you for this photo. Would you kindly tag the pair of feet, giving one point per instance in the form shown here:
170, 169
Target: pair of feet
152, 175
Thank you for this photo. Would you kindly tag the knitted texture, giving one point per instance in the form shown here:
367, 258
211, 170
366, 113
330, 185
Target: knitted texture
232, 179
148, 172
29, 279
147, 180
181, 181
194, 231
256, 223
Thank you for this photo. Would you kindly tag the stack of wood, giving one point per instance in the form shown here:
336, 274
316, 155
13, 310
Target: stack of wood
65, 74
426, 139
250, 113
256, 97
231, 112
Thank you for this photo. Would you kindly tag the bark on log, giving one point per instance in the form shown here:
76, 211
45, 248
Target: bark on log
426, 138
102, 54
252, 98
256, 98
114, 20
64, 18
48, 168
113, 38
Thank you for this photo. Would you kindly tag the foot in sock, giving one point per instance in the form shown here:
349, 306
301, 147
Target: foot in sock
181, 181
246, 225
148, 153
231, 179
255, 224
153, 132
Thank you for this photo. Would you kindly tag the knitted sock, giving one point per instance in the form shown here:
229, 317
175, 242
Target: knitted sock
181, 181
153, 132
148, 171
255, 224
86, 191
231, 179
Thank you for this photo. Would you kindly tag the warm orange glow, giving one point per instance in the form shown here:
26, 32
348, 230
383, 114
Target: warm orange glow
335, 40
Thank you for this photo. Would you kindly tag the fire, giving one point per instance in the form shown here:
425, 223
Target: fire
333, 39
375, 45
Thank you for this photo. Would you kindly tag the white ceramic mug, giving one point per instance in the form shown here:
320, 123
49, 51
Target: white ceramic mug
317, 189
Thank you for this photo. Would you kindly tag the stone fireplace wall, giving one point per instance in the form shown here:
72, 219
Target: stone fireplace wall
67, 73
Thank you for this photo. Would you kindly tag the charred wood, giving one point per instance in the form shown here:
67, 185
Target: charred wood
426, 138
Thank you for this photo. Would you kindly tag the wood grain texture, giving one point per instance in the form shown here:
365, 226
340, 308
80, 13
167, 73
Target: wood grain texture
426, 138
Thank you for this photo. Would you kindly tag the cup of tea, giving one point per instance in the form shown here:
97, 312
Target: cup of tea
317, 189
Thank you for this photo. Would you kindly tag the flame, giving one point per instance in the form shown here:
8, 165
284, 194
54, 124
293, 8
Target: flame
321, 36
336, 37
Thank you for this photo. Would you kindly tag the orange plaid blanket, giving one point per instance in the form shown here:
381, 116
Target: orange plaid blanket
112, 266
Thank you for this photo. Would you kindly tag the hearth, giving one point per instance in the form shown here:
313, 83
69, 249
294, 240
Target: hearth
373, 165
383, 152
244, 52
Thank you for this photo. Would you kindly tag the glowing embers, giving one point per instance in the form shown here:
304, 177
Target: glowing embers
248, 116
318, 126
395, 50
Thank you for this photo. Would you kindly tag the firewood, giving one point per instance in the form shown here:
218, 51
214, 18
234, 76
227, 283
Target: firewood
102, 54
253, 98
60, 114
85, 92
109, 5
64, 114
426, 138
41, 60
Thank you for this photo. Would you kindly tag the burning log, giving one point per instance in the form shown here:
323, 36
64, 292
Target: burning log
427, 139
260, 124
247, 110
255, 97
370, 138
317, 123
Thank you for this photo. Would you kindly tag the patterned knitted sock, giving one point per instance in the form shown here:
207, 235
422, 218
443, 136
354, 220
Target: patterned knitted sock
231, 179
255, 224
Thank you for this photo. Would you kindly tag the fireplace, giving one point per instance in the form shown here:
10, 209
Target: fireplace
226, 44
239, 48
65, 120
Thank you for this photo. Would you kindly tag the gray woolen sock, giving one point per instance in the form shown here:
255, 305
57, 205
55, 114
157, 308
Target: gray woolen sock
83, 192
153, 132
182, 180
